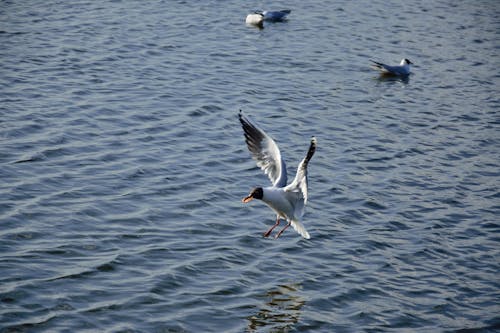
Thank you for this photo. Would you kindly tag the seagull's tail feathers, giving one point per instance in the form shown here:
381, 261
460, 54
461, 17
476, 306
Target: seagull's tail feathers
377, 65
299, 227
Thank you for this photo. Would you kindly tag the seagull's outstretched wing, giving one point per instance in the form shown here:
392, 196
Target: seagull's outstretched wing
265, 152
299, 185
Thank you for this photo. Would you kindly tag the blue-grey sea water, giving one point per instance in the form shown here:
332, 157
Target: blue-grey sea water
123, 166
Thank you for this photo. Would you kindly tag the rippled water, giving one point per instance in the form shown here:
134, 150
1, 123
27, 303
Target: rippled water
123, 165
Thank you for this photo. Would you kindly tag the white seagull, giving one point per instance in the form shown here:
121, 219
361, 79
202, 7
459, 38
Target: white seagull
402, 69
288, 201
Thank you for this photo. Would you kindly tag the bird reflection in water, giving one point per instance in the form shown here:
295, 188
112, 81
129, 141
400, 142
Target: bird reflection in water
393, 78
280, 312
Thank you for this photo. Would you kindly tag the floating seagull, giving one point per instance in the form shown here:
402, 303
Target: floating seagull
255, 18
288, 201
258, 17
402, 69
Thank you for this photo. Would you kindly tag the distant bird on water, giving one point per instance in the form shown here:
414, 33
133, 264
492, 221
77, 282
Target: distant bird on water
287, 201
402, 69
258, 17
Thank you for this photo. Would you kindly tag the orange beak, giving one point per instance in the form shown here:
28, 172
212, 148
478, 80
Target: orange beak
247, 199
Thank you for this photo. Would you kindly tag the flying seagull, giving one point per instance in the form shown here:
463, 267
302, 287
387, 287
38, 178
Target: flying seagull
287, 201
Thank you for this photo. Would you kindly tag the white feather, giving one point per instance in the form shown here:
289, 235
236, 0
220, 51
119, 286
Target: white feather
300, 229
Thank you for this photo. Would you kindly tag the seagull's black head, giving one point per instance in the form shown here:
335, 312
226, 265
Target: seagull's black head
408, 62
257, 193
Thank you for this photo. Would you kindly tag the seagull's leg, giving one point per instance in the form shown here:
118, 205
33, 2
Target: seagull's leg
267, 233
281, 231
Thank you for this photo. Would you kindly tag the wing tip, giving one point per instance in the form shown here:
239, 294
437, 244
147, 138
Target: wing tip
245, 123
252, 133
312, 149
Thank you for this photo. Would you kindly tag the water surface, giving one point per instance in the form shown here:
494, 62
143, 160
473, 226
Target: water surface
123, 165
